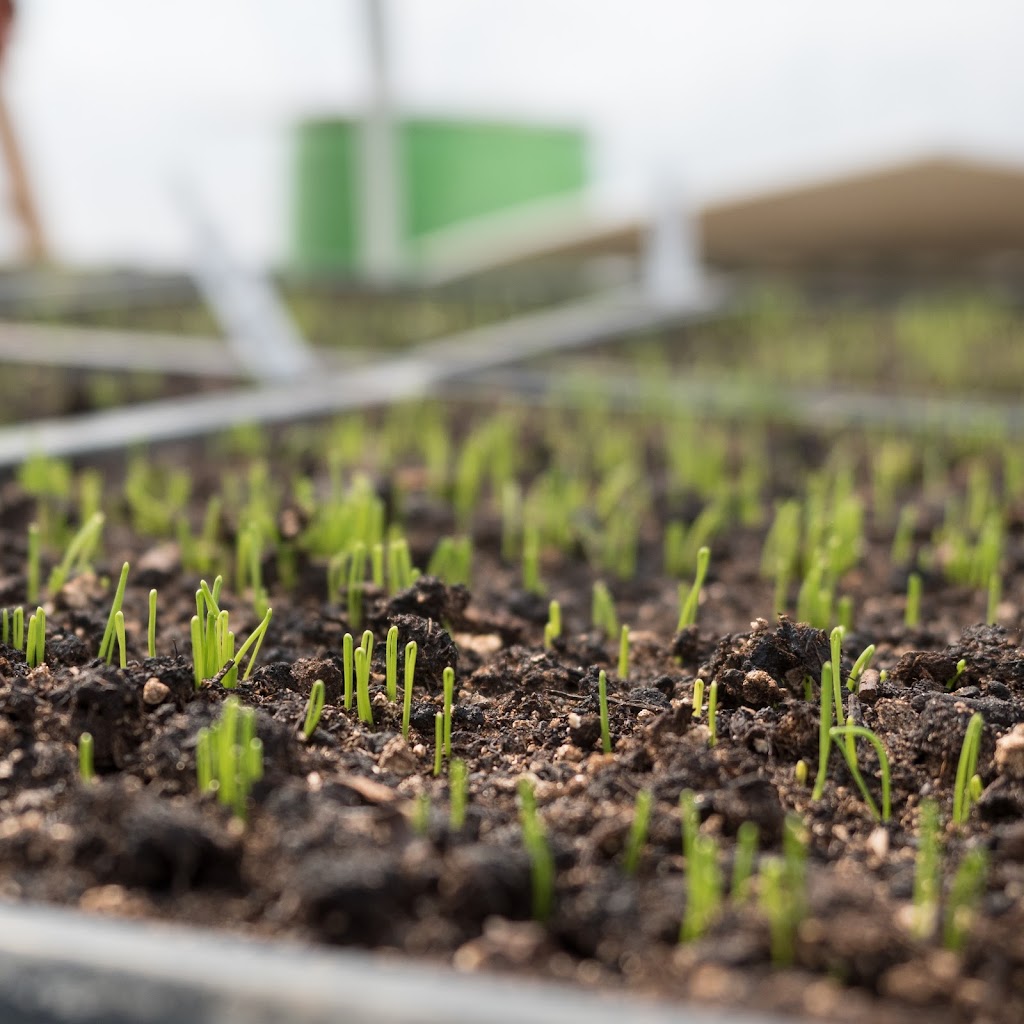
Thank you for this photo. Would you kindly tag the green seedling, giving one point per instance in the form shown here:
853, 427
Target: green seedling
35, 645
965, 769
362, 670
624, 653
391, 664
965, 894
927, 871
855, 732
903, 539
995, 595
542, 861
78, 552
448, 684
784, 892
638, 831
356, 576
602, 700
347, 663
122, 647
5, 627
824, 734
703, 877
421, 815
961, 667
438, 742
698, 698
713, 713
151, 626
86, 764
844, 612
836, 652
314, 708
229, 757
553, 627
458, 790
107, 643
801, 772
688, 609
32, 565
602, 614
18, 628
410, 669
743, 861
531, 561
213, 647
912, 612
860, 666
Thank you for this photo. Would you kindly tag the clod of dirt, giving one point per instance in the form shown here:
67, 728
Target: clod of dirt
107, 704
750, 798
306, 671
1010, 753
427, 598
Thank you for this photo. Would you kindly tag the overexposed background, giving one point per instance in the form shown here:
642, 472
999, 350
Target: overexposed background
117, 100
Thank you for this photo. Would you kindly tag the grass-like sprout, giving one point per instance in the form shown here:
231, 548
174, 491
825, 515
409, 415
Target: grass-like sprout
637, 831
927, 870
542, 861
107, 643
698, 698
35, 643
783, 884
602, 611
391, 664
32, 565
703, 888
855, 732
965, 894
531, 561
688, 606
458, 793
213, 646
965, 769
800, 772
553, 627
86, 761
860, 666
743, 861
438, 742
824, 734
229, 756
362, 669
844, 612
314, 708
995, 595
624, 653
421, 815
961, 667
122, 646
410, 669
912, 611
713, 713
78, 552
602, 702
903, 539
347, 665
835, 641
354, 594
151, 626
18, 628
448, 684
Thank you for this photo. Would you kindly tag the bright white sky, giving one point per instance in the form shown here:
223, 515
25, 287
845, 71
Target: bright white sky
118, 99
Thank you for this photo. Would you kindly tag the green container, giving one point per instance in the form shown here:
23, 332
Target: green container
450, 172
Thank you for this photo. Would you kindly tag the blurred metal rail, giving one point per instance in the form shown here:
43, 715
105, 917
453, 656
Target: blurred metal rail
417, 373
66, 967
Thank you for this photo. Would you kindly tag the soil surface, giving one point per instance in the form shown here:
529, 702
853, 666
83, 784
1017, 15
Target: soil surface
339, 845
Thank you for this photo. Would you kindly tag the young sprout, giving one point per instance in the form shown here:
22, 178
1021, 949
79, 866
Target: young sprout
965, 769
314, 708
800, 772
698, 698
410, 669
927, 870
32, 565
824, 733
542, 862
356, 575
688, 609
78, 552
18, 628
859, 666
713, 713
86, 766
836, 652
347, 663
438, 741
391, 664
553, 627
5, 627
448, 683
965, 894
362, 669
844, 612
743, 861
35, 646
122, 652
995, 594
107, 643
458, 788
637, 831
531, 561
961, 667
151, 626
775, 901
602, 614
624, 653
229, 756
421, 814
703, 888
196, 631
853, 732
912, 612
602, 700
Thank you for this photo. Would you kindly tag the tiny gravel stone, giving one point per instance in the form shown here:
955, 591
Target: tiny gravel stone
155, 692
1010, 753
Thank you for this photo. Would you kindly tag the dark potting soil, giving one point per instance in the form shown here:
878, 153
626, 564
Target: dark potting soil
336, 847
